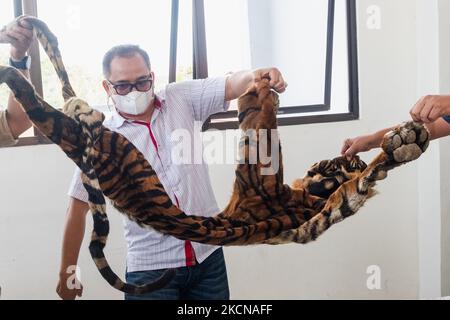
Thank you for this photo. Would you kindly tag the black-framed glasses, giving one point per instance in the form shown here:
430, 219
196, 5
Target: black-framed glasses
123, 89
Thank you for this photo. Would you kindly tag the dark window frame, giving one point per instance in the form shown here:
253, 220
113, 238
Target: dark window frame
200, 68
29, 7
353, 107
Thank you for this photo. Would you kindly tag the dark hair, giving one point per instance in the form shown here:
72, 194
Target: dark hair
123, 51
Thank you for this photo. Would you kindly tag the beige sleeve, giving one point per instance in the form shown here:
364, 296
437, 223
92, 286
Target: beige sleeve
6, 137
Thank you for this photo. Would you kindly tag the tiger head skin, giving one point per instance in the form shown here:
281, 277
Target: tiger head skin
325, 177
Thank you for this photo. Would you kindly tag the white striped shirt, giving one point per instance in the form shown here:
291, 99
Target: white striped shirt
178, 106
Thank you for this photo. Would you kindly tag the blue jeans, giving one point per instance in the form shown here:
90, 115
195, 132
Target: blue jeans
205, 281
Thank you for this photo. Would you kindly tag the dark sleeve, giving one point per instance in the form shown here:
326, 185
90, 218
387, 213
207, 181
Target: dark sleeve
447, 118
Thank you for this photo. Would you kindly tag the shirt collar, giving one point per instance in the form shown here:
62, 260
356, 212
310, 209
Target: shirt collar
116, 120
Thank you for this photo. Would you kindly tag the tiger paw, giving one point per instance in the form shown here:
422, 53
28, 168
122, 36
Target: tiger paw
406, 143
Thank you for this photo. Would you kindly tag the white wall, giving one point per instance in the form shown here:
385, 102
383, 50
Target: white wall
429, 207
34, 180
444, 58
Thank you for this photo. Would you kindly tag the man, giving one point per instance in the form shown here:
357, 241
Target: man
148, 120
13, 120
433, 111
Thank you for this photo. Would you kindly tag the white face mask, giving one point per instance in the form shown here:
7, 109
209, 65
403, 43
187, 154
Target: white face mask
134, 103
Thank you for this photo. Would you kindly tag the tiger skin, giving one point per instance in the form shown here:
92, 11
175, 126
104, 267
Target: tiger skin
262, 209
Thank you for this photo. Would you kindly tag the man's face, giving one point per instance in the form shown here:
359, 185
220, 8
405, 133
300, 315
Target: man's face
127, 70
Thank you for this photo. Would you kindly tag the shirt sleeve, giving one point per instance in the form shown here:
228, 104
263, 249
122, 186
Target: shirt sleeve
447, 118
6, 137
77, 189
207, 97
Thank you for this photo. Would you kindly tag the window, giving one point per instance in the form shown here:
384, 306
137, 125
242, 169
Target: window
184, 52
9, 10
313, 42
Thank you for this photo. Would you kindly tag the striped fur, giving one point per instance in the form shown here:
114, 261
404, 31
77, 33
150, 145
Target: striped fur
262, 209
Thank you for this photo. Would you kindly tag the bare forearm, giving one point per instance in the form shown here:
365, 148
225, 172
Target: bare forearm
18, 120
438, 129
364, 143
238, 83
72, 240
